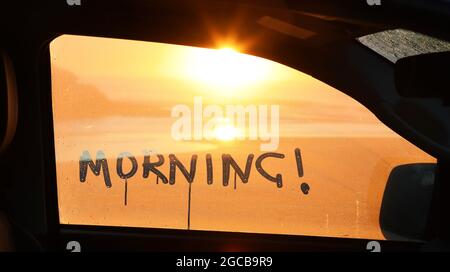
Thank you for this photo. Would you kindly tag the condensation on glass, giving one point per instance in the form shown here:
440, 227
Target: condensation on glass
400, 43
165, 136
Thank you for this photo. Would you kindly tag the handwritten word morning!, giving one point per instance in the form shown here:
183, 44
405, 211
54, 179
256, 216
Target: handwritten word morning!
101, 166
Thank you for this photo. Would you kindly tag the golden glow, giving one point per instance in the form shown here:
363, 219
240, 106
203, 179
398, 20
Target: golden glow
225, 70
226, 132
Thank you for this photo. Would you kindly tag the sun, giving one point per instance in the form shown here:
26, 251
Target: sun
226, 132
226, 70
223, 130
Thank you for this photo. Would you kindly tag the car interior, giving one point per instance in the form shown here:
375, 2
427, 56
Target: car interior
387, 59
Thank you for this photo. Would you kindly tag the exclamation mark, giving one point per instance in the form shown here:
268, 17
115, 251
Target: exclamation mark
304, 187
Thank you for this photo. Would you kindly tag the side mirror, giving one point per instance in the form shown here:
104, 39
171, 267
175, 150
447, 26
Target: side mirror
407, 201
424, 75
423, 82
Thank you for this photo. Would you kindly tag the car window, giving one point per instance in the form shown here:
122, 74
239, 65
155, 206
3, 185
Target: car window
167, 136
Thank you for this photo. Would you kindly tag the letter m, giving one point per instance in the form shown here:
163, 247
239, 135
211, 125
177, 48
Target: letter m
100, 163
